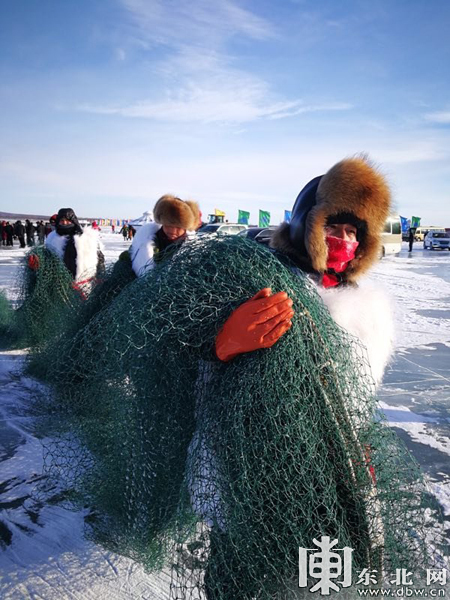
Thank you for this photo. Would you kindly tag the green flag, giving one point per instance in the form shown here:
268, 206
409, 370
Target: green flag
264, 218
243, 217
415, 221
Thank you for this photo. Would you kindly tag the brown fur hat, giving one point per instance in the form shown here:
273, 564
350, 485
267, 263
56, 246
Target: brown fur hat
174, 212
352, 186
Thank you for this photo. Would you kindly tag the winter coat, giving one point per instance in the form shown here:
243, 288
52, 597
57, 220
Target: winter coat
41, 232
89, 252
145, 247
19, 229
364, 311
9, 230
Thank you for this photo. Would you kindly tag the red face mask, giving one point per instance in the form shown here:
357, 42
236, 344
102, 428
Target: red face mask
340, 253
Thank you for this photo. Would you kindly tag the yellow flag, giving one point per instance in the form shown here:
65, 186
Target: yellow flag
219, 213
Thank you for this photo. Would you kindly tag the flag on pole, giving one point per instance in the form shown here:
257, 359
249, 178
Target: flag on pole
243, 217
415, 221
219, 213
287, 215
264, 218
405, 224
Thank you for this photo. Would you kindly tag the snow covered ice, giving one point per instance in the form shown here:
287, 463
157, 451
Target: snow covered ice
43, 551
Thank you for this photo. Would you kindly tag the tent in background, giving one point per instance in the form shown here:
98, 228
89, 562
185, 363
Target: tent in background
147, 217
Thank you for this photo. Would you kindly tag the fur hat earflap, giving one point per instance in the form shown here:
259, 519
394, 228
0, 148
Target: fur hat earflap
174, 212
353, 191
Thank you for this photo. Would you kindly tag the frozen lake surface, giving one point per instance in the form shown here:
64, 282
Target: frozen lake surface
43, 553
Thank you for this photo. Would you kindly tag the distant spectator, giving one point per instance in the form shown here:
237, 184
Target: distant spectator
41, 231
411, 236
9, 234
19, 231
113, 228
50, 226
3, 233
124, 232
131, 232
29, 231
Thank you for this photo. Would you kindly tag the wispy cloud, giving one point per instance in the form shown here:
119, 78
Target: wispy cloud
199, 22
225, 101
442, 117
195, 75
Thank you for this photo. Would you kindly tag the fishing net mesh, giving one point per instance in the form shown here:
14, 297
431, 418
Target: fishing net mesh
222, 471
50, 305
45, 301
89, 300
6, 319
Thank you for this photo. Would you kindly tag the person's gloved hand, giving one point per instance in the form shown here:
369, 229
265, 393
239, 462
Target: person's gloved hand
258, 323
33, 262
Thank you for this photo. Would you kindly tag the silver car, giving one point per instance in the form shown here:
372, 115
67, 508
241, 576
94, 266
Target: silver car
437, 239
221, 229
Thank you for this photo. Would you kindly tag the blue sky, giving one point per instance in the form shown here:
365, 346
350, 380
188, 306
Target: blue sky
105, 105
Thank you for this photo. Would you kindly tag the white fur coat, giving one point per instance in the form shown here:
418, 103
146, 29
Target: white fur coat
86, 245
143, 248
366, 313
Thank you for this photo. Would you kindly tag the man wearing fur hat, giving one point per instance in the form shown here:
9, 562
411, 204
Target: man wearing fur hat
175, 221
334, 236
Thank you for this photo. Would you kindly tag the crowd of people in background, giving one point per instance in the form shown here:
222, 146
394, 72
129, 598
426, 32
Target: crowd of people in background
28, 234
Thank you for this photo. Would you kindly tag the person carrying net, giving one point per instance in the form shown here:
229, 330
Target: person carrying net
334, 238
80, 250
175, 221
56, 278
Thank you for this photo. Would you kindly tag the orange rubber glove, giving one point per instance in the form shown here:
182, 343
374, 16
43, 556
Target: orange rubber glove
33, 262
258, 323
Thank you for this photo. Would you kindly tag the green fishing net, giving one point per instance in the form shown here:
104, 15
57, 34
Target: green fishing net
221, 472
93, 300
7, 331
46, 299
51, 307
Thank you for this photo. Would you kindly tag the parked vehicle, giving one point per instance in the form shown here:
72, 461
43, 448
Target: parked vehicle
221, 229
437, 240
421, 232
391, 238
259, 234
216, 219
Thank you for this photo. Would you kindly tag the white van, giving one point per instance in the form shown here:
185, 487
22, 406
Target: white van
391, 238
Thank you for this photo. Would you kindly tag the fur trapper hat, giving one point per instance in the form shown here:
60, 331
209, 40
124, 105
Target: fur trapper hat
69, 215
353, 187
174, 212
